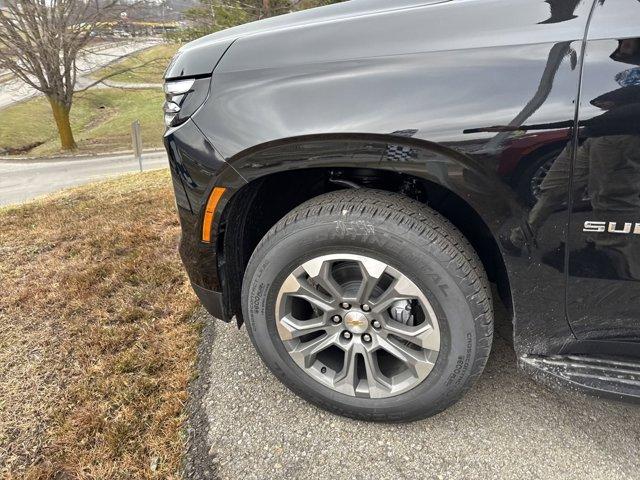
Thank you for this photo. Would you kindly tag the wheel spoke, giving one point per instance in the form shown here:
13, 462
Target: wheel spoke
320, 272
378, 384
371, 271
415, 360
294, 328
314, 297
300, 289
401, 289
346, 380
305, 353
423, 335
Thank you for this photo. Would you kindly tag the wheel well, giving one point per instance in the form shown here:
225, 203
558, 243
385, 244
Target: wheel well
262, 203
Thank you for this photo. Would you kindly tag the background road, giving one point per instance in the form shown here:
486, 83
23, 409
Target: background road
245, 424
22, 180
14, 90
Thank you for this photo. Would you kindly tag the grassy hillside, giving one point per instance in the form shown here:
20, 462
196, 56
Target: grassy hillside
146, 66
101, 120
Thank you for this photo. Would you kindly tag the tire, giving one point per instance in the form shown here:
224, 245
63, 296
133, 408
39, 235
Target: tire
419, 248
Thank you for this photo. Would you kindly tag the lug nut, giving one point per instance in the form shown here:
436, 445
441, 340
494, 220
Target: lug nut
366, 338
376, 324
336, 319
347, 335
366, 308
345, 305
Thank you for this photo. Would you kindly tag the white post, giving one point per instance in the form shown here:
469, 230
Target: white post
136, 140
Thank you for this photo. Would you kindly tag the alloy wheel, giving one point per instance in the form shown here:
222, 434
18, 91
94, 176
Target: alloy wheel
357, 325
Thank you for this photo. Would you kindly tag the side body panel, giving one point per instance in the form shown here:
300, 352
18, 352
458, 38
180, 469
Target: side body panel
604, 261
419, 91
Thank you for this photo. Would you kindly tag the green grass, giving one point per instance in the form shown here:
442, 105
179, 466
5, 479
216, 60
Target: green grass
146, 66
101, 121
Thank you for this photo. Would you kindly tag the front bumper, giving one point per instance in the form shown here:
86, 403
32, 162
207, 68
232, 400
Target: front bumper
196, 168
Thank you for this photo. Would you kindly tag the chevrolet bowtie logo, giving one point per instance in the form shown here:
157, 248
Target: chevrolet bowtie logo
356, 322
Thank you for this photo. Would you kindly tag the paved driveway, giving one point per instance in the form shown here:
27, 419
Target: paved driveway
244, 424
22, 180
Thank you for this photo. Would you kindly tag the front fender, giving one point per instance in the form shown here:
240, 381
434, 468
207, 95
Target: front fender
460, 174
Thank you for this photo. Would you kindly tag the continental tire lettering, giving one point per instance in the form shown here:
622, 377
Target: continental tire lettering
354, 228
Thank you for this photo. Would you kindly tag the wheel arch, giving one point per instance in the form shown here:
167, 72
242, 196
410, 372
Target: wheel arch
283, 174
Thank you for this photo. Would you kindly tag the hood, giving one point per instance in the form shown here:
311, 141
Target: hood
200, 57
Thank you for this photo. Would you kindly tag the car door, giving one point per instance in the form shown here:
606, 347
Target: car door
603, 292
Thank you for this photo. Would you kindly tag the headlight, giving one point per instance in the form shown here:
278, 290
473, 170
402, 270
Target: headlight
183, 98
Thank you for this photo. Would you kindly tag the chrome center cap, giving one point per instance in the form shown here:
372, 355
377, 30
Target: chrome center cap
356, 322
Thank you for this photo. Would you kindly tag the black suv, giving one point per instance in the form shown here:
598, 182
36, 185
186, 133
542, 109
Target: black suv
349, 179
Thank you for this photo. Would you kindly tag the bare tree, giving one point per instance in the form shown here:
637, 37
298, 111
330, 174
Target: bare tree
40, 41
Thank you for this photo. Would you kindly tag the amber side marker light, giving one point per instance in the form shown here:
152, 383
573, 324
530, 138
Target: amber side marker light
212, 203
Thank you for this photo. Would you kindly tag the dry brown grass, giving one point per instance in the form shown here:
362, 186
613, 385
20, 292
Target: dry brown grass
96, 346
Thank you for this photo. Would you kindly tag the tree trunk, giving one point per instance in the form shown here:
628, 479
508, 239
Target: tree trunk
61, 116
266, 8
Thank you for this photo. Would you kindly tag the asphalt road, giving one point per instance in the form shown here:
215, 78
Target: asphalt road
245, 424
90, 60
22, 180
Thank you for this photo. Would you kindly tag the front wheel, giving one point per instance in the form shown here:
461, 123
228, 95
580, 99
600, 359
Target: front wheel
370, 305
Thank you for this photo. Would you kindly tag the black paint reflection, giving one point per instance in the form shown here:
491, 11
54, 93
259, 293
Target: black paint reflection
561, 10
605, 171
604, 256
607, 168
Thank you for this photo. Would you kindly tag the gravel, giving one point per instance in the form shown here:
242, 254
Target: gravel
245, 424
